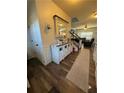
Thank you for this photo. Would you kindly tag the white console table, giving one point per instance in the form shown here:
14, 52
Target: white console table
60, 51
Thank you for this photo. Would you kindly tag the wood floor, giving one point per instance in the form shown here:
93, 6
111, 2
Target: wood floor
92, 78
51, 78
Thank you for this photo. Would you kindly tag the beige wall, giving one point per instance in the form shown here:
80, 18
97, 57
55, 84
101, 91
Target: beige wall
33, 28
31, 12
45, 10
31, 18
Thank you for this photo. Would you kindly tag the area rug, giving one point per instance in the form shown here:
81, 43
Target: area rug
79, 73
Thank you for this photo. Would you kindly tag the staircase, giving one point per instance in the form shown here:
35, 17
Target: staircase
77, 41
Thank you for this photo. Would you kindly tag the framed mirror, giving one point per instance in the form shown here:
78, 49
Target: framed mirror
61, 26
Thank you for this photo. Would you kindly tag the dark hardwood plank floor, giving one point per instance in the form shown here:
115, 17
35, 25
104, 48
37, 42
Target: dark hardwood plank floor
92, 78
51, 78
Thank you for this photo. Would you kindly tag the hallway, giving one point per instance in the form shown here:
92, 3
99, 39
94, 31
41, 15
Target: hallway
51, 78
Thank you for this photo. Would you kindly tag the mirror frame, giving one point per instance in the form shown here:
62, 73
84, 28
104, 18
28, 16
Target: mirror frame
54, 18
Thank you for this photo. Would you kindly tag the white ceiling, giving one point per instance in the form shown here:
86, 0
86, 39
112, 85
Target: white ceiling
81, 9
